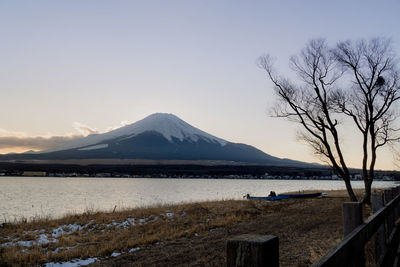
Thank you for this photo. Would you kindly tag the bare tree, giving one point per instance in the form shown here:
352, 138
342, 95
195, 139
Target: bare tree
370, 98
310, 103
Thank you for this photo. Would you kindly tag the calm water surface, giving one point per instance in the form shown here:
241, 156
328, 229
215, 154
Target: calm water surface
30, 197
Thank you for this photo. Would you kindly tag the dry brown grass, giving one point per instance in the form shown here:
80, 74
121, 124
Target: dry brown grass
101, 237
195, 234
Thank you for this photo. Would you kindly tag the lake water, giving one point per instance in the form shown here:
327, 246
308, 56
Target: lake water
29, 197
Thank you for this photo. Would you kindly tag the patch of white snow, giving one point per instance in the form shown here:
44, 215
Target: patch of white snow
169, 214
73, 263
62, 230
133, 249
43, 240
131, 221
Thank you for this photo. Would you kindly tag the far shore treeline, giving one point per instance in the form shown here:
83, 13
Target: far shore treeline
184, 171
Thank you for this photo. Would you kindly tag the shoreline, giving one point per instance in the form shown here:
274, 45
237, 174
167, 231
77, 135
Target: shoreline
228, 177
33, 198
137, 235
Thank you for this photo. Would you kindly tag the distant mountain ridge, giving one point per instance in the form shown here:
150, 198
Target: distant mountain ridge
159, 136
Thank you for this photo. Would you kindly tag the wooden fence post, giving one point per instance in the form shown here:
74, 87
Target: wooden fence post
398, 206
352, 217
252, 250
380, 236
388, 196
395, 211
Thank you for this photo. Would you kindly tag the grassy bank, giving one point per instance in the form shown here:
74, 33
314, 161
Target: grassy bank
187, 234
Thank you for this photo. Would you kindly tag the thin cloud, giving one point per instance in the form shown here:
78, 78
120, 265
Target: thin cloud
122, 124
84, 129
35, 142
10, 140
4, 132
19, 141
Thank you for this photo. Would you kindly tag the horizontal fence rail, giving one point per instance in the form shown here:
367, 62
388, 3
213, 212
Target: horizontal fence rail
354, 243
251, 250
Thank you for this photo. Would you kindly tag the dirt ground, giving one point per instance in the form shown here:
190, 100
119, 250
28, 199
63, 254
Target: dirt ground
306, 228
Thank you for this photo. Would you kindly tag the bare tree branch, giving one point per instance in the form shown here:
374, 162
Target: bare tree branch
312, 103
373, 66
369, 98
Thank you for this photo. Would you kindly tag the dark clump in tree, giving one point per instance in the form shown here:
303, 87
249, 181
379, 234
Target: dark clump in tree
356, 79
370, 98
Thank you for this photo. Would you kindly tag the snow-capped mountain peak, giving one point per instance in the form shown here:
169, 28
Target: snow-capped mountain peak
168, 125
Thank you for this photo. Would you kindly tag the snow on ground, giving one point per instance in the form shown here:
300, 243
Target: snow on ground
80, 262
42, 240
124, 224
68, 229
44, 237
141, 221
73, 263
20, 243
133, 250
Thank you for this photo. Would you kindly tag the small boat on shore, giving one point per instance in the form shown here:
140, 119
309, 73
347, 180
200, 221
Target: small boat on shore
267, 198
302, 195
285, 196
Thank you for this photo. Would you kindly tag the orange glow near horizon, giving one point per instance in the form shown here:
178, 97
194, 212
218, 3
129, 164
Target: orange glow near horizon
16, 150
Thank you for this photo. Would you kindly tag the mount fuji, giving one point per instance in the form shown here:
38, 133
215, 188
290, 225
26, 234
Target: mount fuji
159, 136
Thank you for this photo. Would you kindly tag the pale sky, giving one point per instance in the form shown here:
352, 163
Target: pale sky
71, 67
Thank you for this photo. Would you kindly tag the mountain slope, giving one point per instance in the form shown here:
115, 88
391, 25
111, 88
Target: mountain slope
157, 137
166, 124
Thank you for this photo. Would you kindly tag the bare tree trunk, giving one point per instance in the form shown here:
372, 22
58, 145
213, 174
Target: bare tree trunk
350, 190
368, 183
367, 191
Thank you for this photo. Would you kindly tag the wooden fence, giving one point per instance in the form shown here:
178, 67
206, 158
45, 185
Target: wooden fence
256, 250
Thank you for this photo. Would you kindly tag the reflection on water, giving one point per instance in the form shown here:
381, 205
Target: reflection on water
32, 196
